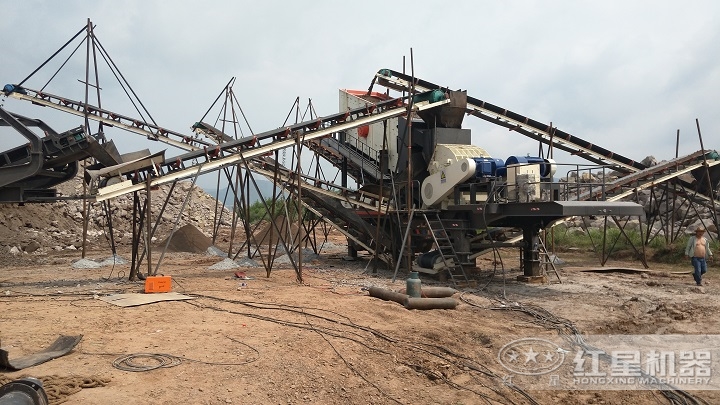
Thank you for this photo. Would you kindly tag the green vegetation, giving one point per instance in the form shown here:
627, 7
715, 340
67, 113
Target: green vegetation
619, 246
258, 210
675, 252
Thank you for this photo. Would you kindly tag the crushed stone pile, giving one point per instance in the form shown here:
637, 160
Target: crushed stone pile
307, 255
556, 260
216, 251
226, 264
94, 264
113, 260
43, 228
246, 262
86, 264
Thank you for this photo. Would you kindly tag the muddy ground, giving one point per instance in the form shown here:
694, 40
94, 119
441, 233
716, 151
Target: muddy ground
270, 340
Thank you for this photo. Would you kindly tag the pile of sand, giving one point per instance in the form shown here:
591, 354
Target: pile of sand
188, 239
263, 236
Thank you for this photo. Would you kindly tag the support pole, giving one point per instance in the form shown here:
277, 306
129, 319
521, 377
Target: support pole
409, 202
402, 246
298, 173
135, 239
531, 256
148, 225
711, 189
177, 220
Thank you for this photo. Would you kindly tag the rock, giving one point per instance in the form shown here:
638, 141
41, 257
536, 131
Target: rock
31, 247
403, 370
649, 161
14, 250
632, 224
556, 260
697, 290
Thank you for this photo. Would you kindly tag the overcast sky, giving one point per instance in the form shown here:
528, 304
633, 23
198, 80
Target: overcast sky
625, 75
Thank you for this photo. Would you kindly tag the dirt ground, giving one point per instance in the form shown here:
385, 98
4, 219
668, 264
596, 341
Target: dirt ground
273, 341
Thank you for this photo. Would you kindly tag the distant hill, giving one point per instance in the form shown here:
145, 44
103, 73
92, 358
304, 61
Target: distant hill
266, 189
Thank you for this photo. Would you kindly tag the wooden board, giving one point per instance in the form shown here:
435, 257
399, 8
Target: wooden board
609, 269
132, 300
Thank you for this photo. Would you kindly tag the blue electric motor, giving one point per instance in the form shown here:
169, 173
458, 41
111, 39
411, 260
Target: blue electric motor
487, 167
545, 165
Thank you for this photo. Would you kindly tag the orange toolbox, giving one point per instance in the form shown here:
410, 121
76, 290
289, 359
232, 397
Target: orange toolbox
158, 284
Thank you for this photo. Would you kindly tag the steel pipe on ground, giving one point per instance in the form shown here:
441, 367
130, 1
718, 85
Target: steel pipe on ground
434, 292
430, 303
388, 295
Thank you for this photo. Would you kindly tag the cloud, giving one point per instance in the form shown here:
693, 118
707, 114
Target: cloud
623, 75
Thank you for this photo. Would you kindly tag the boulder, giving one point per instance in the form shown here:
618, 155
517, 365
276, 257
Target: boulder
31, 246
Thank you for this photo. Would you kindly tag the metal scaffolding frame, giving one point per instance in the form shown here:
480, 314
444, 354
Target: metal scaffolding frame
379, 223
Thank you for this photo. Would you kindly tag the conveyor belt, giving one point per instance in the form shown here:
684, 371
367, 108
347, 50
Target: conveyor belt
533, 129
654, 175
45, 161
355, 158
330, 202
109, 118
231, 153
514, 121
27, 160
286, 179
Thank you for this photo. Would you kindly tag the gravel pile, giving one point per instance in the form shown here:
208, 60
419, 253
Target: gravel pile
86, 264
246, 262
113, 260
216, 251
307, 255
226, 264
556, 260
46, 227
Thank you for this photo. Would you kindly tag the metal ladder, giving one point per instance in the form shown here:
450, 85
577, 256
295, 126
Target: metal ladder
447, 250
547, 264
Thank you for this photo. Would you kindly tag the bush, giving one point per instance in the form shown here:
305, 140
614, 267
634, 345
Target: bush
618, 245
675, 252
258, 210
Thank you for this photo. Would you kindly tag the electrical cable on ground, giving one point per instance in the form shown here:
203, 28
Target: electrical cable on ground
139, 362
433, 350
348, 365
571, 334
148, 361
